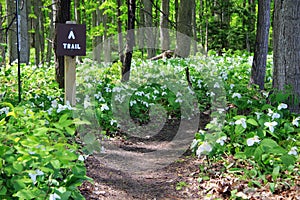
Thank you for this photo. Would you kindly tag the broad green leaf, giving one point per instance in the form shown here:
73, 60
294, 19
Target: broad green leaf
252, 122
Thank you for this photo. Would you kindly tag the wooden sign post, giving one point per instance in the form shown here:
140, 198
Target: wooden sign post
71, 42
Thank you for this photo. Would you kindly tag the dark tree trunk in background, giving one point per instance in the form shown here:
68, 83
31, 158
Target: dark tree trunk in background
184, 28
164, 25
12, 36
63, 15
131, 4
149, 35
287, 50
120, 34
258, 71
2, 39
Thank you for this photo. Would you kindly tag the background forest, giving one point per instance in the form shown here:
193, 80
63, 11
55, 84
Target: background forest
229, 67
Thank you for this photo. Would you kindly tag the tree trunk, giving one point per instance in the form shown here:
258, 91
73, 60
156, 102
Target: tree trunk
63, 15
106, 39
51, 34
184, 28
258, 71
120, 34
141, 32
11, 36
2, 39
77, 11
129, 40
194, 28
149, 35
97, 39
164, 25
286, 49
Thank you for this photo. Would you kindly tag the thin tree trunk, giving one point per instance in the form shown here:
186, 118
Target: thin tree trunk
12, 36
97, 40
194, 27
120, 34
258, 71
184, 29
63, 15
77, 11
50, 36
2, 39
129, 40
106, 43
164, 25
149, 35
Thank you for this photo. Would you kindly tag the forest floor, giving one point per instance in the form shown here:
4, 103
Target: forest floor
188, 177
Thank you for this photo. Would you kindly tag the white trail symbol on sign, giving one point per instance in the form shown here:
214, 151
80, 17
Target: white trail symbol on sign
71, 35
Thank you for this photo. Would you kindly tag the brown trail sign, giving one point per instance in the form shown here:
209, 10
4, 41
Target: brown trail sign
71, 42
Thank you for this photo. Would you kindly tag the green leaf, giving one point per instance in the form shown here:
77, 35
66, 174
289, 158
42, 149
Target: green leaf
288, 160
25, 194
252, 122
55, 164
275, 172
272, 187
3, 190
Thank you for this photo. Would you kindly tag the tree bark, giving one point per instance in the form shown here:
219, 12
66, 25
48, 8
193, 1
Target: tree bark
149, 35
131, 4
11, 36
258, 70
120, 34
286, 50
164, 25
184, 28
63, 15
2, 39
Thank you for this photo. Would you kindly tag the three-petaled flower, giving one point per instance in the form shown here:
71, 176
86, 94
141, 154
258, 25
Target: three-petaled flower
271, 125
221, 140
251, 141
242, 122
282, 106
204, 148
293, 151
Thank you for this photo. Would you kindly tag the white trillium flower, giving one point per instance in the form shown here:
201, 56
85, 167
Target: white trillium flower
132, 102
221, 140
271, 125
275, 116
113, 121
258, 115
35, 174
293, 151
231, 86
295, 121
251, 141
203, 149
242, 122
104, 107
282, 106
54, 104
54, 196
4, 110
238, 95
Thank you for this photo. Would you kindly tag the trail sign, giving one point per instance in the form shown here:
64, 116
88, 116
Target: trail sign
71, 40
